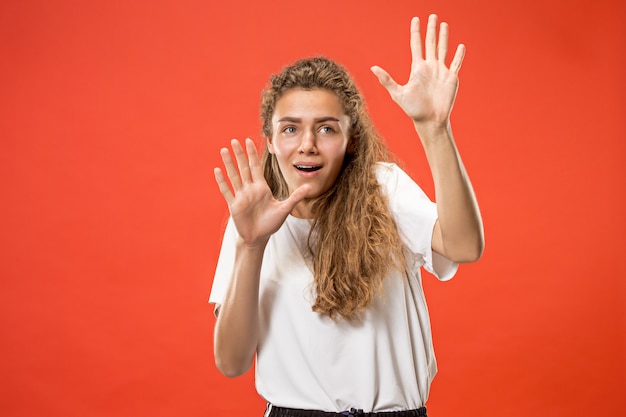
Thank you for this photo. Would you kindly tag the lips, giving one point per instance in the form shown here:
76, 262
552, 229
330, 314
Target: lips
307, 167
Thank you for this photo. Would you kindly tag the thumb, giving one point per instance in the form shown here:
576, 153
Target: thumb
298, 195
385, 79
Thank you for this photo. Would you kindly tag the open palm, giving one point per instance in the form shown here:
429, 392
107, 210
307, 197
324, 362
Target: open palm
253, 208
428, 95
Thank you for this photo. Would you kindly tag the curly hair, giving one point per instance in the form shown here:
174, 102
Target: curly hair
354, 239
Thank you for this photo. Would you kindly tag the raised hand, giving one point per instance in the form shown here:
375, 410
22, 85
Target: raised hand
253, 208
429, 94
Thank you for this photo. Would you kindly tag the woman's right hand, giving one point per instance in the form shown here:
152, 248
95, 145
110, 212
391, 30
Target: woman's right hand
253, 208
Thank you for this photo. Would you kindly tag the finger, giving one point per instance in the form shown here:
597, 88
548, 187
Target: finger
231, 170
416, 42
223, 185
385, 79
455, 65
431, 37
298, 195
242, 162
253, 157
442, 45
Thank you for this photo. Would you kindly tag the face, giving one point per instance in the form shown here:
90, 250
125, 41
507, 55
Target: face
309, 140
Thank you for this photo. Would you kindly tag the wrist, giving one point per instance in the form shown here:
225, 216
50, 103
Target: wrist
251, 248
430, 131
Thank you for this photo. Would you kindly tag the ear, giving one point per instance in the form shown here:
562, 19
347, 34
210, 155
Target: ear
351, 148
270, 145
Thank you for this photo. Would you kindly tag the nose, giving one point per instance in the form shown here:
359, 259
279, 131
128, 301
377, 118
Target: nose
308, 144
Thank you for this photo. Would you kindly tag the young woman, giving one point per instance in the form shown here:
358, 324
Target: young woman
319, 272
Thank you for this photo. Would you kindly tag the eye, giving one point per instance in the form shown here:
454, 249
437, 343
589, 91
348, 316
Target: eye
327, 129
289, 129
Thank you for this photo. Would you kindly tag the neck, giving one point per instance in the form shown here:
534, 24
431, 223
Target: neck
303, 210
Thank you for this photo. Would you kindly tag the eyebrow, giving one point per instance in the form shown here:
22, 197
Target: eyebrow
299, 120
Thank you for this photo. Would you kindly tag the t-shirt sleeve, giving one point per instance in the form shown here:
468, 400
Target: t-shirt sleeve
415, 215
225, 263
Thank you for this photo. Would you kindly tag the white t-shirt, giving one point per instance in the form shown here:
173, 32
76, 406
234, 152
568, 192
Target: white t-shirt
305, 360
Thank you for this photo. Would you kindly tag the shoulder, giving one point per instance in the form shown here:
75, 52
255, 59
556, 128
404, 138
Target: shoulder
385, 167
386, 172
403, 193
392, 178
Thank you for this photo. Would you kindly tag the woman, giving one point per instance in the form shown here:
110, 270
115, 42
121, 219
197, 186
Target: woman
318, 276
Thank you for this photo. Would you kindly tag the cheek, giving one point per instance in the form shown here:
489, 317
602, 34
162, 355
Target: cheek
339, 150
283, 147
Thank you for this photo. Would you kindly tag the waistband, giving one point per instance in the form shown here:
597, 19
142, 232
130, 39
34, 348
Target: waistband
294, 412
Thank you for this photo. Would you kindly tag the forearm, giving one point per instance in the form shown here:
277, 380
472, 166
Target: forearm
460, 223
237, 326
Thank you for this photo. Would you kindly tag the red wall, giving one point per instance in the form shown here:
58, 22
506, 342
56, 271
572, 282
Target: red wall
112, 114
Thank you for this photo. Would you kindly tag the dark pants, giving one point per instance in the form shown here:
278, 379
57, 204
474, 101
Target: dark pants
292, 412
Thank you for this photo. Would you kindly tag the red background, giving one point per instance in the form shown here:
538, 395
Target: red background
112, 114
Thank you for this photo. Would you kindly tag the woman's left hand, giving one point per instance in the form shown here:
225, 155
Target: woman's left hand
429, 94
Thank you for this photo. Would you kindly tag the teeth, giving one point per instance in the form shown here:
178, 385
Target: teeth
307, 167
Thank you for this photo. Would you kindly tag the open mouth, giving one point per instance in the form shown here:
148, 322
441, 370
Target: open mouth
308, 168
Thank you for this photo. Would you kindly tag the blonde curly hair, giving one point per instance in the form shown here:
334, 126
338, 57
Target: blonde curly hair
354, 240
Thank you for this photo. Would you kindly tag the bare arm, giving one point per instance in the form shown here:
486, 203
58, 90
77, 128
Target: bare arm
237, 330
428, 98
257, 215
458, 233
